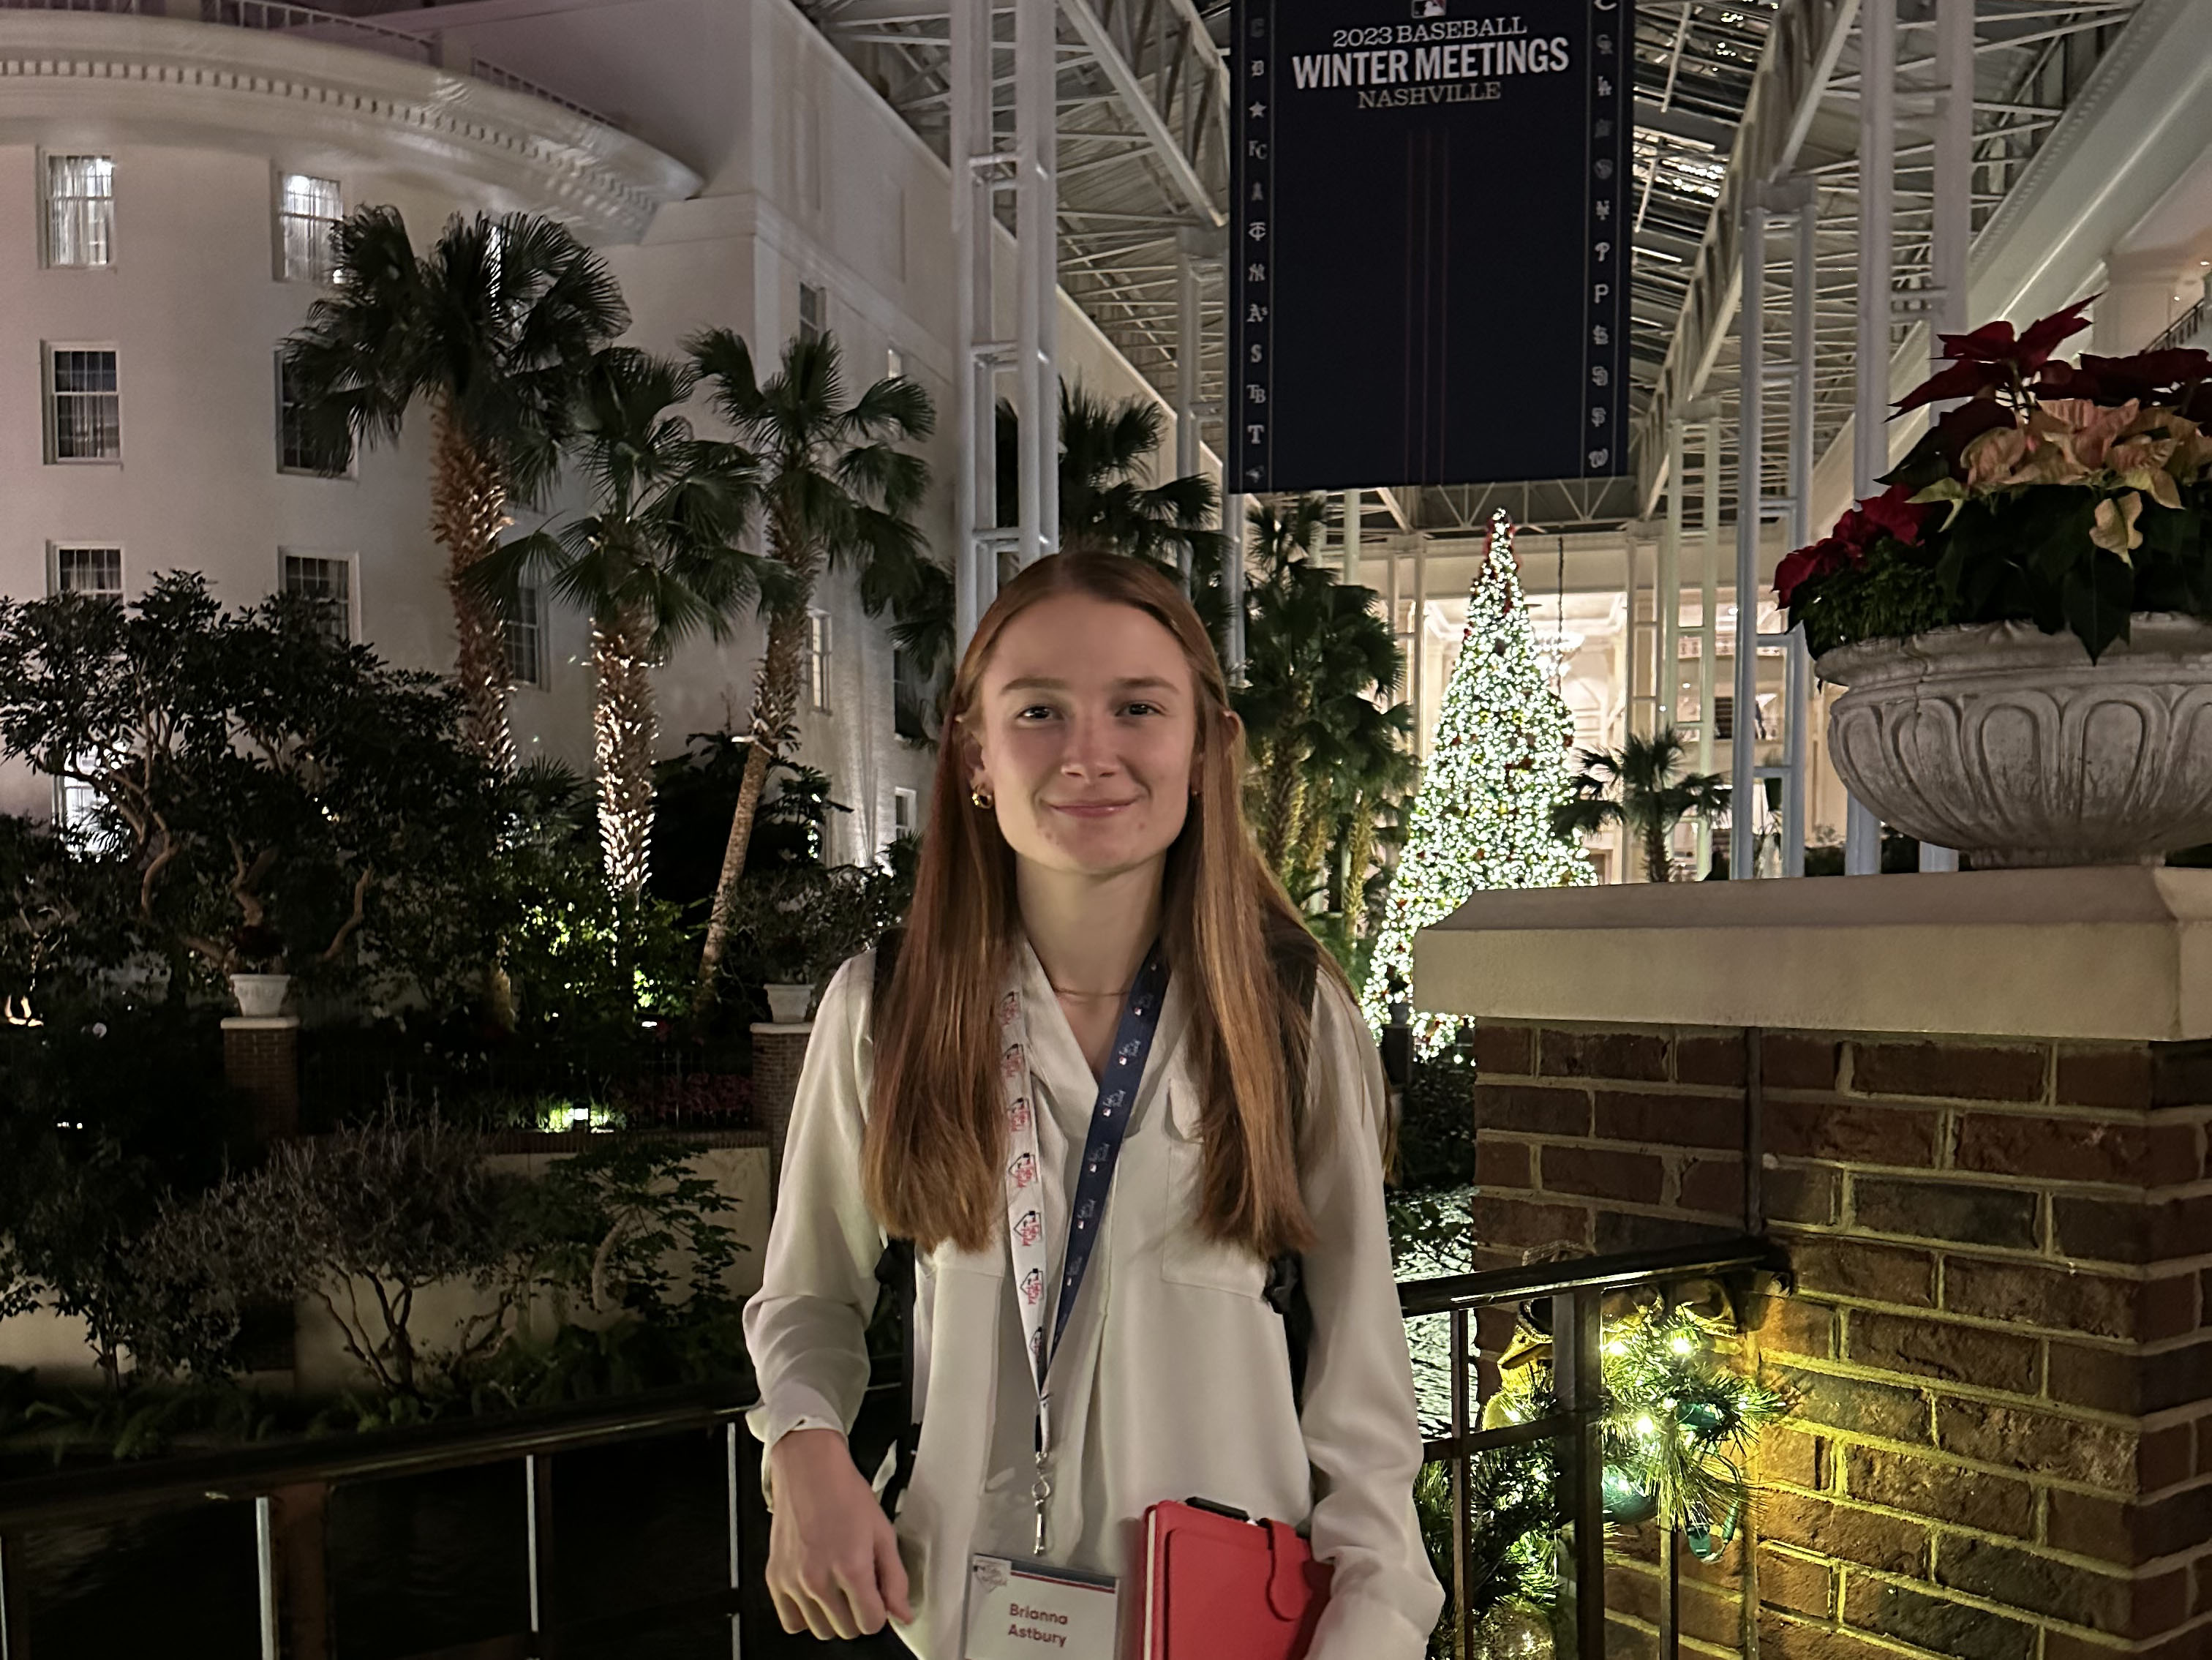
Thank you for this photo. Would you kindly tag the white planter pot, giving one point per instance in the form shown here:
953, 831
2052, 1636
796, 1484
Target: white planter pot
787, 1004
2009, 744
260, 996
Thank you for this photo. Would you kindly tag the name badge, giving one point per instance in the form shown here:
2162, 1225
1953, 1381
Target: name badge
1020, 1610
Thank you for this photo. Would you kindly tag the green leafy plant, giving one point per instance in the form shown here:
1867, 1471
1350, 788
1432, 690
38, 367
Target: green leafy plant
2071, 495
1641, 785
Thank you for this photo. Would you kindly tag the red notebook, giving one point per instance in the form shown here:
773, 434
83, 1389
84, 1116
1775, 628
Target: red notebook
1218, 1587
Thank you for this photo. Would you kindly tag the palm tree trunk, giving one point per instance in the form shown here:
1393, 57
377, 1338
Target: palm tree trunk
468, 510
1658, 858
1309, 847
1283, 805
775, 708
623, 732
1359, 850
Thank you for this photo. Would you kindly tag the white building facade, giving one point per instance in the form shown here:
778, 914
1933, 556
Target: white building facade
164, 184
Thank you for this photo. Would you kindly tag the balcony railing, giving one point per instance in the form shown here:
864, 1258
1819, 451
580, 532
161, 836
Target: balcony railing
289, 1487
2184, 328
303, 22
1573, 1289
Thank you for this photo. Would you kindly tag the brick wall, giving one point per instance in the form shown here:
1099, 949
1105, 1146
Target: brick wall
779, 1054
261, 1061
2002, 1448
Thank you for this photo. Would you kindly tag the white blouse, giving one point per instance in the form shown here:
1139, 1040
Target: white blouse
1172, 1380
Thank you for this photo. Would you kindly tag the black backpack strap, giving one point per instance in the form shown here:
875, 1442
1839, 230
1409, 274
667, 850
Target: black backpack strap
1296, 955
894, 1272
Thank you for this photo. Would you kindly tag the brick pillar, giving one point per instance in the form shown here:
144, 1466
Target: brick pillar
261, 1060
1999, 1346
779, 1052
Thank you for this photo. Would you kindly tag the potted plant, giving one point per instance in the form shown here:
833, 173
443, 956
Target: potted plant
257, 979
796, 926
2024, 618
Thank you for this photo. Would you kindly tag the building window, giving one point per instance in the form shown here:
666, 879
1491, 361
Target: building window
906, 812
308, 209
327, 580
298, 449
526, 638
80, 209
817, 659
84, 411
813, 309
88, 571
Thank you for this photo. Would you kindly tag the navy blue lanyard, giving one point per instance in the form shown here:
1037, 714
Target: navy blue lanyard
1109, 1122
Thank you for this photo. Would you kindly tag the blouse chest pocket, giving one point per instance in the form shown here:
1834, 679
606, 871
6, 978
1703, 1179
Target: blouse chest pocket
1187, 1256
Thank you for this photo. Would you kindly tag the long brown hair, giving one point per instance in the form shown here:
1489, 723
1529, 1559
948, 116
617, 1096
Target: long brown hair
936, 1134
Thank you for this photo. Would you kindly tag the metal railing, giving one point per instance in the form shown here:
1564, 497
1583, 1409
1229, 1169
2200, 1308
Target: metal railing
289, 1485
2184, 328
1573, 1288
305, 23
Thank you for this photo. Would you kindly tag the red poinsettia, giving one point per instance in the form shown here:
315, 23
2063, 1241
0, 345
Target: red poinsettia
1892, 513
1993, 356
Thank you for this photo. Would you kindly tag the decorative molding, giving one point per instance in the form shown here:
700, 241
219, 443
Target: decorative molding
164, 80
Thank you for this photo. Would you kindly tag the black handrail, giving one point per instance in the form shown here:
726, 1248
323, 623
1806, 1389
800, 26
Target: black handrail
1447, 1292
114, 1490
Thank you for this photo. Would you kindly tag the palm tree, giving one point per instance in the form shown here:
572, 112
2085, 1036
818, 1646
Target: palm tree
1317, 656
834, 489
1105, 450
658, 560
1642, 787
492, 327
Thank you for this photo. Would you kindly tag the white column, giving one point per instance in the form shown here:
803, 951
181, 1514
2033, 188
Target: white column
1870, 413
1420, 647
1351, 511
1668, 679
1189, 343
1797, 678
1743, 750
1954, 211
1036, 237
1709, 622
974, 492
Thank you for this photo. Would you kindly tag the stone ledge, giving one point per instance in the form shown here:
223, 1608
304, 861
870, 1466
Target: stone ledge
2116, 953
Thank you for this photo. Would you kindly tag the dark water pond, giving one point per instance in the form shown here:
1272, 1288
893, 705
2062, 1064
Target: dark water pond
415, 1566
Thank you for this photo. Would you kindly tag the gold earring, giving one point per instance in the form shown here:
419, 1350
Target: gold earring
981, 799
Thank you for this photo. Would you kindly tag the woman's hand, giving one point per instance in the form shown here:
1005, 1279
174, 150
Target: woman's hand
833, 1561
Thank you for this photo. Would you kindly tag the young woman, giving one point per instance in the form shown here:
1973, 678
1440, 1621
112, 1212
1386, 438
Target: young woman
1087, 839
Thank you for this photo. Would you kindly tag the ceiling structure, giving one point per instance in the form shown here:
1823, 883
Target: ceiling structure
1144, 175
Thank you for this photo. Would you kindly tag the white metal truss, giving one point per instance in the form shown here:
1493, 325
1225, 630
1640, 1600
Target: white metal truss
1730, 95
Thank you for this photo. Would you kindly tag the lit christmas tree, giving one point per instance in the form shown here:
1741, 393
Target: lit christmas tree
1497, 768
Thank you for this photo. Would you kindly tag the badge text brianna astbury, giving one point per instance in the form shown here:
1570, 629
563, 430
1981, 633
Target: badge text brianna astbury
1035, 1632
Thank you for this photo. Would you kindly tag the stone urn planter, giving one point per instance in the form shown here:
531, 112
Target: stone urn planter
260, 996
2009, 744
787, 1004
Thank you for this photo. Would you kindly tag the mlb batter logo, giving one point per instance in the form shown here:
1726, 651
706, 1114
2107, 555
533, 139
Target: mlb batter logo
1028, 1227
1023, 1170
1032, 1285
1019, 1114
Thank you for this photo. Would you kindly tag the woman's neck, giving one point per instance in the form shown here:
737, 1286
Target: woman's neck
1091, 933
